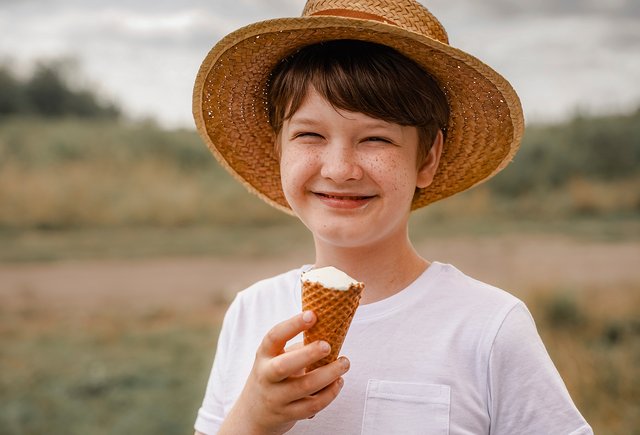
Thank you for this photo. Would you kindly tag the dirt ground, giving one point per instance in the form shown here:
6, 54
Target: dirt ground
516, 263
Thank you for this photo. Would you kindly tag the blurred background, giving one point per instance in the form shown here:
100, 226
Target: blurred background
122, 242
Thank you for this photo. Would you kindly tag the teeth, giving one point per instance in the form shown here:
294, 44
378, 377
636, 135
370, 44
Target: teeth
344, 197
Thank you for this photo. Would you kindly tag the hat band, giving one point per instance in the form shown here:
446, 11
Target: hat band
346, 13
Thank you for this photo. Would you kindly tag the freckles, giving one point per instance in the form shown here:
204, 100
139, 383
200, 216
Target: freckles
389, 168
308, 161
298, 162
392, 171
383, 164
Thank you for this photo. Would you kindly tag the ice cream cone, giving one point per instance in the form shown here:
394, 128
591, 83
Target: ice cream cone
334, 309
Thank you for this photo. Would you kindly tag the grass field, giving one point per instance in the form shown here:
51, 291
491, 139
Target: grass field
104, 375
594, 339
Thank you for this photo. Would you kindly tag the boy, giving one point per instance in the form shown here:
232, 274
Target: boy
350, 117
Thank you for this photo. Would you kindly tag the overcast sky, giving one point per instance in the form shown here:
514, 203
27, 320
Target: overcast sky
560, 55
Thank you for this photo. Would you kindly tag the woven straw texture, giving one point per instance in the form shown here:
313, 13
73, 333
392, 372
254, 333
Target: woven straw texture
230, 107
335, 310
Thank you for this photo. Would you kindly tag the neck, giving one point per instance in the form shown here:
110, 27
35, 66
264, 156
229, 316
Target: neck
385, 268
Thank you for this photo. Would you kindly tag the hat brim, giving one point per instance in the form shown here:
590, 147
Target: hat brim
231, 113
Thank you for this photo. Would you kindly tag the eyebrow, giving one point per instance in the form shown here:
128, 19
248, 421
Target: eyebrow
308, 121
302, 121
378, 123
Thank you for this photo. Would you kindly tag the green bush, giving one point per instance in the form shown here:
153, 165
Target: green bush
598, 148
49, 92
563, 311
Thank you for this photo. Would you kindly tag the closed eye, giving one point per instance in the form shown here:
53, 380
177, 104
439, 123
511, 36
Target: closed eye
308, 134
378, 139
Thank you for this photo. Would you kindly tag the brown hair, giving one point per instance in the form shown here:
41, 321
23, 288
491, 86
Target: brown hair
365, 77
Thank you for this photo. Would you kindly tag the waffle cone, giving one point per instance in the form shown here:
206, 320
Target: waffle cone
335, 310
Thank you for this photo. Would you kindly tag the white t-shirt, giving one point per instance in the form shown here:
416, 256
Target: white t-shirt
446, 355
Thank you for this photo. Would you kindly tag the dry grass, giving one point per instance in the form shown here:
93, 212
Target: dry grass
70, 174
602, 198
593, 336
154, 193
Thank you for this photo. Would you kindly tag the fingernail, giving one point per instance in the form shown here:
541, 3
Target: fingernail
340, 382
344, 363
324, 346
307, 316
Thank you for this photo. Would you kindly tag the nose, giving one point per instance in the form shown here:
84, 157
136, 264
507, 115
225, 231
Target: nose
340, 163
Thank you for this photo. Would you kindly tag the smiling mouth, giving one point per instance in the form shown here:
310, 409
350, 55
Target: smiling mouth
344, 197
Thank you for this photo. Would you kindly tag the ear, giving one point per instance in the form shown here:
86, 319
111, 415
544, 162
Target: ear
429, 166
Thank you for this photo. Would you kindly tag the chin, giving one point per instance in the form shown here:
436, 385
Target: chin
340, 236
354, 231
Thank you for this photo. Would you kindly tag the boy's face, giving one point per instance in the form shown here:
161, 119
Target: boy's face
350, 178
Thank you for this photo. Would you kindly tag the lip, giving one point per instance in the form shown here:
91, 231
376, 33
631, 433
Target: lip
343, 200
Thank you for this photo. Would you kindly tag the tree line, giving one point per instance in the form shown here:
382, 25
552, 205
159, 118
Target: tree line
605, 148
49, 92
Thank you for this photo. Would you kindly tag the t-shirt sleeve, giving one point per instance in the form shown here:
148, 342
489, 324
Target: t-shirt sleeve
211, 413
527, 394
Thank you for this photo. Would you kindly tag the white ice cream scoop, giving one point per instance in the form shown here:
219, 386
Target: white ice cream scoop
329, 277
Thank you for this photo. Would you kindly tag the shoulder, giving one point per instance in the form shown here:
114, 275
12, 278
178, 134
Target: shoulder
258, 308
279, 286
473, 308
475, 294
270, 299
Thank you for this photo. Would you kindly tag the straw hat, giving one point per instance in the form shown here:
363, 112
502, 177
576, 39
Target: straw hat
230, 106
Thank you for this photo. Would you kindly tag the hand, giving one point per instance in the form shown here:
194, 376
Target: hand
278, 391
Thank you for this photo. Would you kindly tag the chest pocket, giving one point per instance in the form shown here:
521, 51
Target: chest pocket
406, 408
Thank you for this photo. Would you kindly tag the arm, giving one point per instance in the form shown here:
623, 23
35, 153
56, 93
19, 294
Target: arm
526, 393
278, 391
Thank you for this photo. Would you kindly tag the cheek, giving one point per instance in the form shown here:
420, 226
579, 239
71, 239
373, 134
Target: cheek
393, 172
295, 168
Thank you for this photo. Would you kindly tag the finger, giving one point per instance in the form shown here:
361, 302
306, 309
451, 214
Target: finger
273, 343
295, 346
309, 406
294, 362
318, 379
294, 389
291, 348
